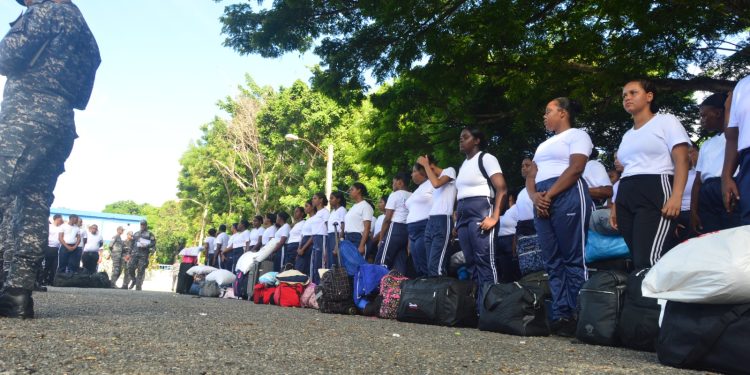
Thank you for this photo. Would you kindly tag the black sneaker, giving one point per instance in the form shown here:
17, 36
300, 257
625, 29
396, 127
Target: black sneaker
564, 327
16, 303
40, 288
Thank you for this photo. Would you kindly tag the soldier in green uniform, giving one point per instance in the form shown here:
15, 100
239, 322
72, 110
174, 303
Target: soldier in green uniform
118, 253
144, 244
49, 57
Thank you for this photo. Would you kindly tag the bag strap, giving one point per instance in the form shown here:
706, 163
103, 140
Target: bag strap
480, 162
708, 339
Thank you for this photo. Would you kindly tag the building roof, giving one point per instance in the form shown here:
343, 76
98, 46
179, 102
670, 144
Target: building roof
100, 215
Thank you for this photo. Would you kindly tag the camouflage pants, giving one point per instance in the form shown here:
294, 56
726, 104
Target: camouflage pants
32, 157
118, 264
137, 267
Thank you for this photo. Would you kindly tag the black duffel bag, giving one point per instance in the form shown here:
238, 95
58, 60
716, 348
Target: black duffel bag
599, 307
443, 301
512, 309
82, 280
639, 321
705, 337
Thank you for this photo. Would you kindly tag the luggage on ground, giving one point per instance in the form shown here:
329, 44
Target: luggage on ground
292, 277
82, 280
288, 295
351, 257
335, 290
529, 254
200, 270
639, 320
714, 268
705, 337
221, 277
599, 305
513, 309
622, 265
209, 289
603, 247
539, 283
367, 284
441, 301
239, 286
308, 298
184, 281
390, 290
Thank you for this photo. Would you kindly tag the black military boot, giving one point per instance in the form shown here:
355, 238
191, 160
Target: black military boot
16, 303
39, 287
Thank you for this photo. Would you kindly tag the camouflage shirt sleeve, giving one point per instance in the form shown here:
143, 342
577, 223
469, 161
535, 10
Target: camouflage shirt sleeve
152, 245
25, 39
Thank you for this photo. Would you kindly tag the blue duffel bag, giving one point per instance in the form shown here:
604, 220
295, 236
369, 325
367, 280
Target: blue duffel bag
367, 283
601, 247
350, 257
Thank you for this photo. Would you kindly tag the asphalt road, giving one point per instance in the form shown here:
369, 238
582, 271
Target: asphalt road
126, 332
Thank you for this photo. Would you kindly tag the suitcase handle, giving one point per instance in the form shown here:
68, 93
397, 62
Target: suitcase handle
336, 243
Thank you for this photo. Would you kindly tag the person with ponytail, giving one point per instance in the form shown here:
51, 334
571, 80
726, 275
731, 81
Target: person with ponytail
304, 252
282, 235
394, 233
438, 231
295, 236
338, 214
419, 205
358, 219
563, 208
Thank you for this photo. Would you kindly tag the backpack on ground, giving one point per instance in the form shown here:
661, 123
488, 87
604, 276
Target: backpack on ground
334, 293
512, 309
705, 337
599, 305
602, 247
639, 321
443, 301
529, 254
367, 284
538, 282
390, 290
82, 280
209, 289
263, 294
308, 298
239, 286
288, 295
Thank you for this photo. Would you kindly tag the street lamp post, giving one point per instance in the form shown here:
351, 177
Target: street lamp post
328, 156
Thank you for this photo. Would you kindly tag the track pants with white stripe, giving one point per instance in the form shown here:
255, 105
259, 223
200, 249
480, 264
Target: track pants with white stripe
392, 251
562, 238
478, 245
436, 238
648, 235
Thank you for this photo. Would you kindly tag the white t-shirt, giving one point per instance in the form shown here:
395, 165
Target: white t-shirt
596, 175
254, 235
70, 233
419, 203
84, 236
470, 182
444, 197
295, 235
268, 233
648, 150
508, 221
318, 222
282, 232
688, 191
739, 114
337, 216
53, 240
242, 238
552, 157
397, 203
234, 242
711, 157
307, 228
211, 241
524, 206
356, 217
93, 242
223, 239
378, 225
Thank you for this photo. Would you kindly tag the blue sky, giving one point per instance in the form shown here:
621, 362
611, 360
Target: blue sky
163, 70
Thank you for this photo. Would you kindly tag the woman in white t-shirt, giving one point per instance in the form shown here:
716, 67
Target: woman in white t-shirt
227, 255
377, 232
654, 153
255, 234
281, 234
438, 232
338, 215
394, 233
295, 236
563, 209
269, 225
90, 256
481, 191
319, 233
358, 219
707, 213
302, 263
419, 205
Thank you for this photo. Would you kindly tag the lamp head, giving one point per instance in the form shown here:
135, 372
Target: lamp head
291, 137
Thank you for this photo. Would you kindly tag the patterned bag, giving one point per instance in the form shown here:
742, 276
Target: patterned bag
390, 290
308, 297
529, 254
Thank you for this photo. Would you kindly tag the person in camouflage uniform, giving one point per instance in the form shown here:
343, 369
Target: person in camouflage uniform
50, 58
128, 246
118, 253
144, 244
